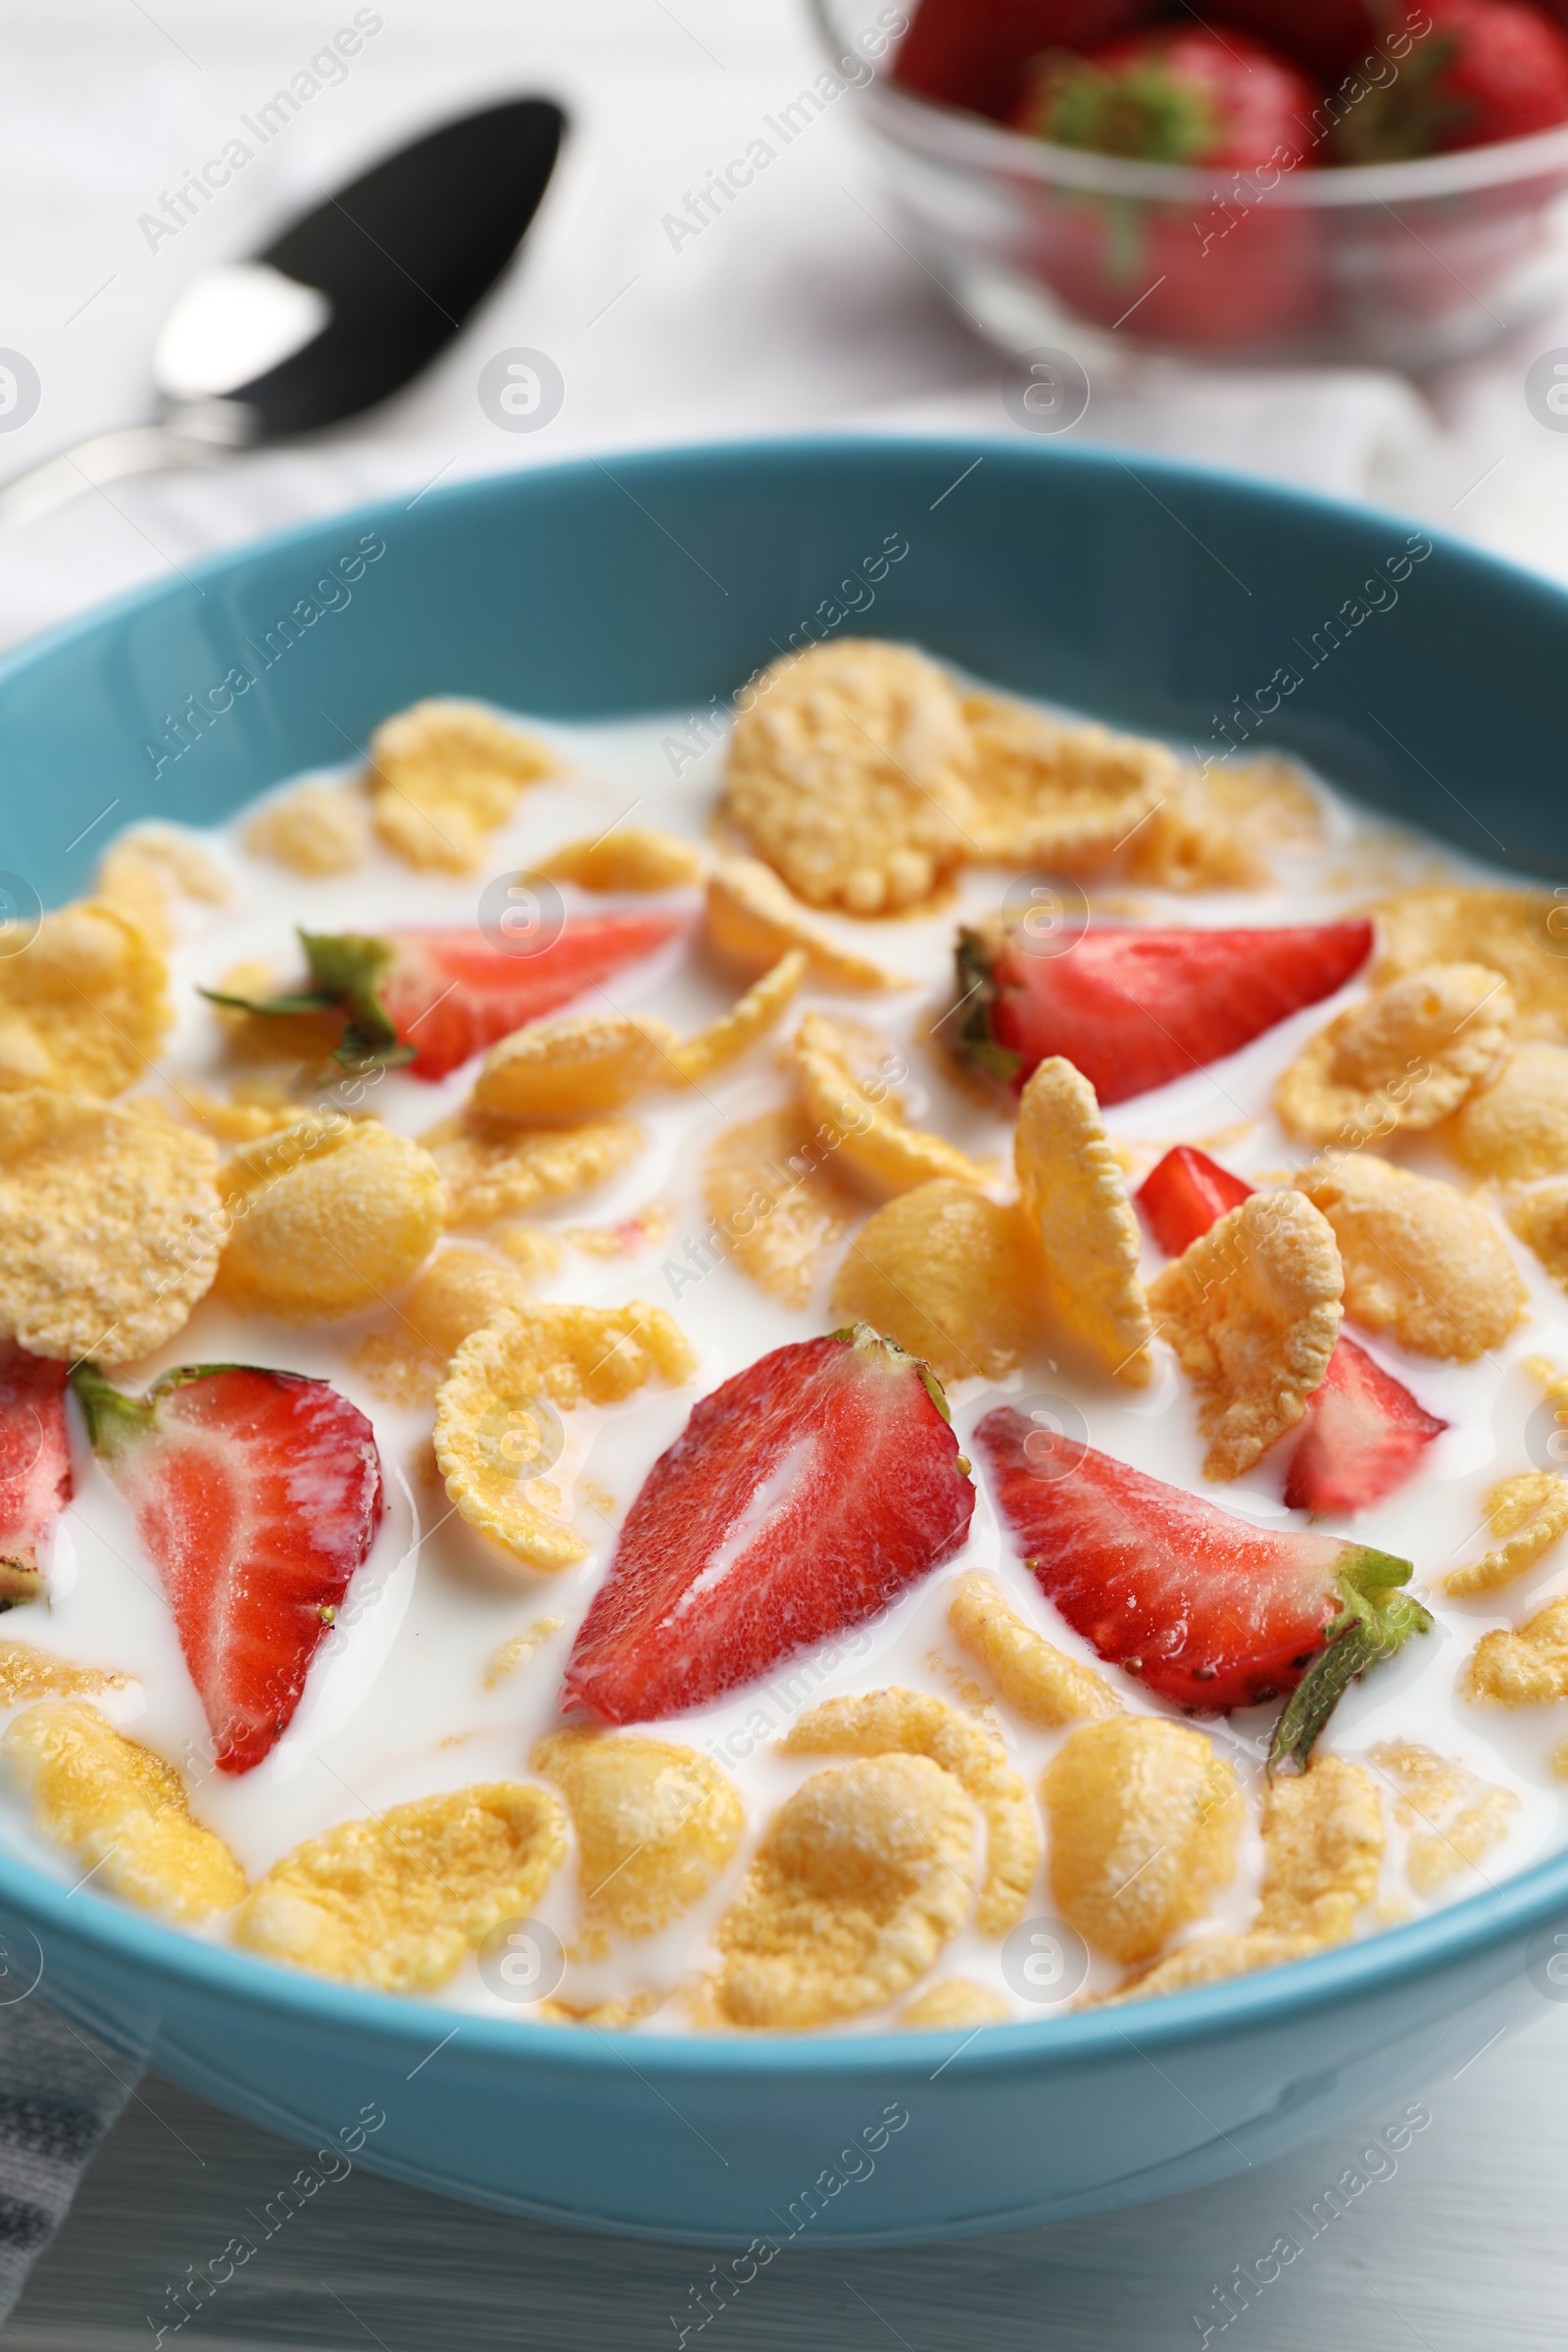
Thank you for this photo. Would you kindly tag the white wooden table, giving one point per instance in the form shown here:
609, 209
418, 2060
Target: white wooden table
799, 308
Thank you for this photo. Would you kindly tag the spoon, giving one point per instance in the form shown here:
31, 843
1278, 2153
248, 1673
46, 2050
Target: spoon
341, 311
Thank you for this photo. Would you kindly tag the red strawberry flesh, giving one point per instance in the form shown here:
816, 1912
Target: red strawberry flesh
1184, 1196
1134, 1009
34, 1465
1363, 1437
257, 1495
1207, 1610
802, 1496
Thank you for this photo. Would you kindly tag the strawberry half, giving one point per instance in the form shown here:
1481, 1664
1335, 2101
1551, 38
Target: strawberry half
1185, 1194
1365, 1433
34, 1465
1134, 1009
257, 1493
1207, 1610
801, 1497
431, 998
1364, 1436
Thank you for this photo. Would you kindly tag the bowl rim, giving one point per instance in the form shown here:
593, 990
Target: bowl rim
1526, 1901
953, 135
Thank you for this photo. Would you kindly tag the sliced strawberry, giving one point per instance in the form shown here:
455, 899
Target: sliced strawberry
430, 999
34, 1465
1185, 1194
1134, 1009
1364, 1436
801, 1497
257, 1493
1207, 1610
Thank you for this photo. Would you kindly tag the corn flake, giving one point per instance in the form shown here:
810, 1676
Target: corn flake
848, 774
489, 1427
1460, 1816
1531, 1514
950, 1275
443, 775
241, 1119
26, 1674
1540, 1220
1322, 1850
916, 1723
1526, 1669
655, 1825
626, 858
1213, 1960
877, 1145
1419, 1258
1516, 1129
953, 2001
84, 1007
493, 1169
573, 1068
753, 921
1037, 1681
776, 1203
316, 829
518, 1649
397, 1900
1253, 1310
604, 2016
1058, 795
452, 1294
1144, 1820
329, 1218
1403, 1059
108, 1227
122, 1810
1074, 1198
1514, 931
1213, 831
750, 1017
141, 873
859, 1880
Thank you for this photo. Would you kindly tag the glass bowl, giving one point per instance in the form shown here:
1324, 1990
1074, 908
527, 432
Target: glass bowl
1398, 264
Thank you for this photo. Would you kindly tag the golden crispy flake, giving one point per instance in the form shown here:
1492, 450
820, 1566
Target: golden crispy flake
753, 921
860, 1117
848, 774
1058, 795
84, 1007
655, 1825
493, 1169
1453, 1817
396, 1900
916, 1723
571, 1068
1253, 1310
953, 2001
626, 858
859, 1880
533, 1249
1419, 1260
443, 775
454, 1293
751, 1016
1526, 1669
1322, 1850
110, 1226
329, 1218
644, 1231
1144, 1820
1406, 1058
494, 1411
141, 874
1531, 1514
1213, 1960
1517, 1128
1213, 831
27, 1673
314, 829
1039, 1682
1540, 1220
1517, 932
518, 1649
239, 1120
607, 2017
775, 1203
950, 1274
122, 1810
1074, 1196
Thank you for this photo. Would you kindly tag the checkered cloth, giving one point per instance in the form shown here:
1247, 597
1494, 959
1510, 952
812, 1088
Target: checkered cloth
60, 2089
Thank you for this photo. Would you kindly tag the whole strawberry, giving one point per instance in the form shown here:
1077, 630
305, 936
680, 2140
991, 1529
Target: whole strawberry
975, 53
1485, 70
1173, 95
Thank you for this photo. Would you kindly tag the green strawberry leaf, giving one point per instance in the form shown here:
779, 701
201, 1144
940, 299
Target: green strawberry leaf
1375, 1622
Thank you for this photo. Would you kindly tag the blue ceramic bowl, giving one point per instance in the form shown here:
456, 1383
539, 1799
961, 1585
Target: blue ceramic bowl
1433, 683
